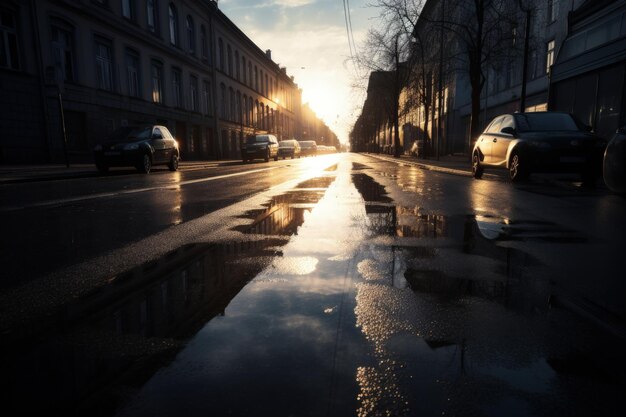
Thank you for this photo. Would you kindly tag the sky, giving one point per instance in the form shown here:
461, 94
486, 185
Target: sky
309, 37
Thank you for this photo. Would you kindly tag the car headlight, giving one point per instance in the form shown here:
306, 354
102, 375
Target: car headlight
97, 148
131, 147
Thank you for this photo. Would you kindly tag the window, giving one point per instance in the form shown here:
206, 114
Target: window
250, 73
243, 69
157, 81
237, 72
62, 50
238, 108
206, 97
128, 9
266, 85
177, 91
222, 101
231, 104
173, 24
256, 78
193, 93
250, 111
230, 61
245, 115
203, 42
8, 40
260, 87
152, 16
549, 56
191, 35
104, 64
552, 10
220, 48
133, 73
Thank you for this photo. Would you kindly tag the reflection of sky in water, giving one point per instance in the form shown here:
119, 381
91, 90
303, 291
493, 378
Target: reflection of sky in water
274, 351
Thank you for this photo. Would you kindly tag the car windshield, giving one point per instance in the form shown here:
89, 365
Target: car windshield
545, 122
285, 144
131, 133
257, 139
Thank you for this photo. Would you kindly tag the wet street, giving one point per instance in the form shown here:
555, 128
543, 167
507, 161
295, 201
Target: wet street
340, 285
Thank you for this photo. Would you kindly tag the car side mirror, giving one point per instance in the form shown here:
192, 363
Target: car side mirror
509, 131
587, 128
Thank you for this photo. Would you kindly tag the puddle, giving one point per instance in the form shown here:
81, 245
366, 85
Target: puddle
370, 190
525, 230
358, 167
286, 212
145, 313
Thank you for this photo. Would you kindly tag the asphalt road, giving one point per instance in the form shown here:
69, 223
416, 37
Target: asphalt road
331, 286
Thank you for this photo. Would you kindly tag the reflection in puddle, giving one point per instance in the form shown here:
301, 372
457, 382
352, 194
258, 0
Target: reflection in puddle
507, 229
145, 313
475, 331
285, 212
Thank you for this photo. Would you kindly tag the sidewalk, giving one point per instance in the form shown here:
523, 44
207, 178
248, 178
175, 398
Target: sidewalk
47, 172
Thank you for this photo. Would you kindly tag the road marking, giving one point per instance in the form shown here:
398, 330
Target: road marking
126, 192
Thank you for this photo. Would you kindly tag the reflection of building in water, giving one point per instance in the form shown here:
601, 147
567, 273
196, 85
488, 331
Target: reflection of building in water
128, 328
411, 223
285, 212
280, 218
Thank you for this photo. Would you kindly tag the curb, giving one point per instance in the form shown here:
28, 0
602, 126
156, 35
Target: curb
436, 168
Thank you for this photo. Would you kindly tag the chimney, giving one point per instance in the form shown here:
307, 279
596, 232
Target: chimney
268, 53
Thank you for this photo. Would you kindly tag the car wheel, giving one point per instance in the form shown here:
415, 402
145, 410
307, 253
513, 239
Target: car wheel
267, 156
102, 168
477, 170
146, 164
517, 168
276, 157
173, 164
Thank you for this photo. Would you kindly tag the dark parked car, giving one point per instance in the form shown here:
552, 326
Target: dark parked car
289, 148
614, 169
141, 147
308, 147
260, 147
538, 142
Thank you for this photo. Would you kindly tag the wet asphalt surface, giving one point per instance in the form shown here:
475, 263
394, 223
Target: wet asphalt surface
331, 286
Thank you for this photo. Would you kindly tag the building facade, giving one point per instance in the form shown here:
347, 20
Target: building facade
72, 71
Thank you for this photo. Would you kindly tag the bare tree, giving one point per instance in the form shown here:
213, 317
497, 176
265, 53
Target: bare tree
387, 50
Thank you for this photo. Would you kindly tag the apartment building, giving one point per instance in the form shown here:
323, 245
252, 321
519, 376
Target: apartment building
72, 71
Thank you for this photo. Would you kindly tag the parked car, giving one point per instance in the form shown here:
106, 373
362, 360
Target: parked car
614, 163
141, 147
260, 147
289, 148
538, 142
308, 147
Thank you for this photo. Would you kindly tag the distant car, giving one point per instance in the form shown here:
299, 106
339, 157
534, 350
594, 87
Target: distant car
260, 147
538, 142
614, 163
288, 148
141, 147
308, 147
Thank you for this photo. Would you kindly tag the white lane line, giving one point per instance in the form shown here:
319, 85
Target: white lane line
126, 192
